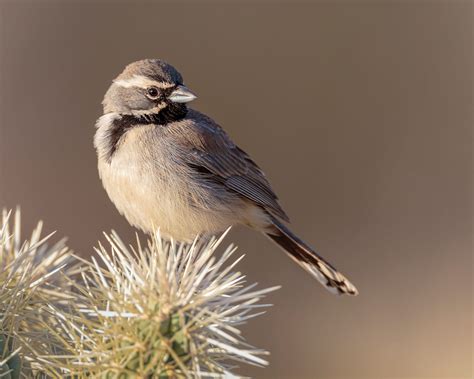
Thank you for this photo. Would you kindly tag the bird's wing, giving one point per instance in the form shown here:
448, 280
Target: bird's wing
214, 155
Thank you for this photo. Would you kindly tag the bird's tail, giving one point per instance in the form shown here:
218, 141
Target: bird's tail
307, 258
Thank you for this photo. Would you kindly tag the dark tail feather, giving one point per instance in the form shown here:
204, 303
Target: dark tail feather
302, 254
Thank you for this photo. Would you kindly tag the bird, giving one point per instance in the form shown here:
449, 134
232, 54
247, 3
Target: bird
165, 165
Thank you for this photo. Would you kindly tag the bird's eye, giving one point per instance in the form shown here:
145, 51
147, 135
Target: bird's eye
153, 93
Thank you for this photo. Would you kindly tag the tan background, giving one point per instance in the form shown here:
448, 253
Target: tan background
359, 112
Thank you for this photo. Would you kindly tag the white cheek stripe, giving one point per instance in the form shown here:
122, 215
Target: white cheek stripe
156, 109
141, 81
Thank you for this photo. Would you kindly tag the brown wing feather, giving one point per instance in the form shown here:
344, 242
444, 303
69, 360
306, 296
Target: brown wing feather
215, 152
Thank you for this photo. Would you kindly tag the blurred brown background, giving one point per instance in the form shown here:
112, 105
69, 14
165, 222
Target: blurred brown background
359, 112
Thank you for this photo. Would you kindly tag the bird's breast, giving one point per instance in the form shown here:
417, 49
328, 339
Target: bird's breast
151, 186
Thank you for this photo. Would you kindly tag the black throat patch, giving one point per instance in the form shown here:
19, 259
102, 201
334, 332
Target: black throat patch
173, 112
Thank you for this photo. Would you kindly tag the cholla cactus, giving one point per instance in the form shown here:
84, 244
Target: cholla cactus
27, 272
164, 310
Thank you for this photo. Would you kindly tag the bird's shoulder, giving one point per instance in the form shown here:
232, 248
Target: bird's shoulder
200, 131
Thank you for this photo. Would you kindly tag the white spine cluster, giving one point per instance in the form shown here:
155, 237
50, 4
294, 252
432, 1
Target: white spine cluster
163, 310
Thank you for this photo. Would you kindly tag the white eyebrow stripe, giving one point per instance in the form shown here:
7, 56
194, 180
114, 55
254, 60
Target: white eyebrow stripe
142, 81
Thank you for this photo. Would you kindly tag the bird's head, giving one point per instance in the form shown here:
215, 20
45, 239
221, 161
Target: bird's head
149, 86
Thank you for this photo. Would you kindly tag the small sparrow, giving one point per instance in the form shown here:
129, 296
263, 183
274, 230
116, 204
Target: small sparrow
168, 166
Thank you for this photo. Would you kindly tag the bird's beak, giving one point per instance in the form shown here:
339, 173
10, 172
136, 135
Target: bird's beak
182, 94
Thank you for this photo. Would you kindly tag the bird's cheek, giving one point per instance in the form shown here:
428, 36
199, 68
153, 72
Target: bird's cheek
137, 102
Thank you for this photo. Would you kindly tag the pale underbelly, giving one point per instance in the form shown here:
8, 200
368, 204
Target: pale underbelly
166, 205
